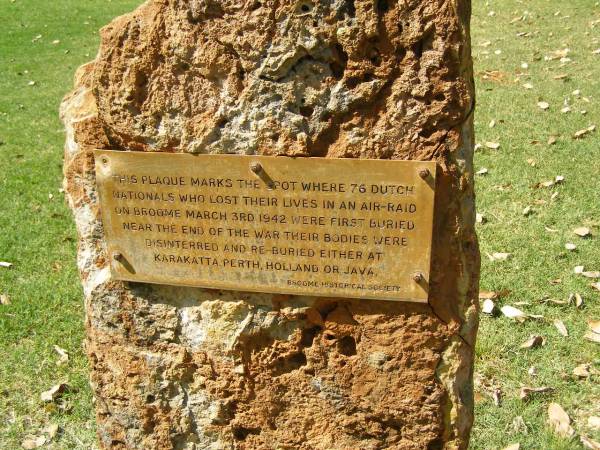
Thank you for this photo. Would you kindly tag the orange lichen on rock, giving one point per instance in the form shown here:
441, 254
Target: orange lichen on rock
184, 368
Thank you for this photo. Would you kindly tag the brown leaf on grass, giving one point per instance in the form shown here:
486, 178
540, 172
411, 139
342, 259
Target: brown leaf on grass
578, 300
578, 270
494, 75
4, 299
544, 184
571, 247
559, 421
493, 295
543, 105
557, 54
594, 326
526, 392
584, 132
593, 422
582, 371
533, 342
480, 218
513, 313
498, 256
54, 392
51, 430
596, 286
63, 355
591, 336
32, 442
582, 231
527, 211
488, 306
482, 171
589, 443
492, 145
512, 447
591, 274
560, 326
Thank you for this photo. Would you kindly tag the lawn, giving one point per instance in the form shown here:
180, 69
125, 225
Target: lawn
526, 78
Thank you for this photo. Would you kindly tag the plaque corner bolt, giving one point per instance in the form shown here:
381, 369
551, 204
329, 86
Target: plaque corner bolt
104, 160
424, 173
418, 277
256, 167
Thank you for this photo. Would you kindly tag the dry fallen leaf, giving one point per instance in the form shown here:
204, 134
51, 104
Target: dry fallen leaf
589, 443
488, 306
32, 442
543, 105
498, 256
526, 211
513, 447
582, 371
582, 133
596, 286
593, 337
591, 274
593, 422
578, 270
528, 86
560, 326
54, 392
5, 264
525, 391
571, 247
492, 145
594, 326
482, 171
533, 342
582, 231
578, 300
479, 218
63, 355
4, 299
513, 313
51, 430
559, 421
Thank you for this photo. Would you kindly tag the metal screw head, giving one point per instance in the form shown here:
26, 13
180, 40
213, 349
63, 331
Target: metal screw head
118, 256
256, 167
424, 173
417, 277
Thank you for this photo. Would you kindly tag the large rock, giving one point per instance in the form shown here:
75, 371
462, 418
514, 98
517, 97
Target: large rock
183, 368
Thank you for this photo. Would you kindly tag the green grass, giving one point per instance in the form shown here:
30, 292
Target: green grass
37, 233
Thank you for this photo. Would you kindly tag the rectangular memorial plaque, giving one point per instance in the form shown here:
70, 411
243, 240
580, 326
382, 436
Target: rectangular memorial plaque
303, 226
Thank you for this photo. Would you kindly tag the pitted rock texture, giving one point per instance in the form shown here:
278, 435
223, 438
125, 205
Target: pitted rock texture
183, 368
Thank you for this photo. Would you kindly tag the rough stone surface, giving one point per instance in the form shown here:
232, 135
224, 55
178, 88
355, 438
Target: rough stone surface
182, 368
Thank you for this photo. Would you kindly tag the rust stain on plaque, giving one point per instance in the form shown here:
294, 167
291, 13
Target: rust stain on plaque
303, 226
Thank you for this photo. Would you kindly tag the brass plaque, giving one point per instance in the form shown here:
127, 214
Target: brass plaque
303, 226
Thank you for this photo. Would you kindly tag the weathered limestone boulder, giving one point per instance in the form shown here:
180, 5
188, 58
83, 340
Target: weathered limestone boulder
183, 368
